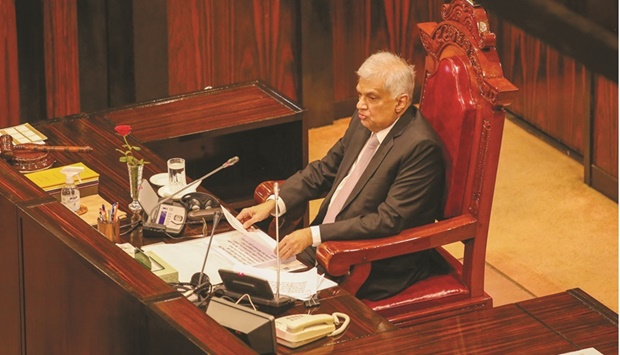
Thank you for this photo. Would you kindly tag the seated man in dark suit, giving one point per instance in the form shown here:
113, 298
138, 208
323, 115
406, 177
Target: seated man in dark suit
384, 175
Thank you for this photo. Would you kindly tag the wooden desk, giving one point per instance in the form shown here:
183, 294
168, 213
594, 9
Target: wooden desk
68, 290
364, 322
249, 120
554, 324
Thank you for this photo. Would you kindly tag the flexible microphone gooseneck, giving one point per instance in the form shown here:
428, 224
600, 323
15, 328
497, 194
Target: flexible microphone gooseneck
230, 162
216, 219
200, 281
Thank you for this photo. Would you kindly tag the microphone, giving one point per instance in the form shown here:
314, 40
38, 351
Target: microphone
150, 215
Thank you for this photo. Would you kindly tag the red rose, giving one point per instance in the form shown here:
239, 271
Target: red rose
123, 130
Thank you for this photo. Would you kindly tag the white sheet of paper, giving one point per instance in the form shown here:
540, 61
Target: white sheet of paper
251, 252
234, 222
228, 249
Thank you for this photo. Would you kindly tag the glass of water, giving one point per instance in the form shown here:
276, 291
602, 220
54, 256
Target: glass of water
176, 174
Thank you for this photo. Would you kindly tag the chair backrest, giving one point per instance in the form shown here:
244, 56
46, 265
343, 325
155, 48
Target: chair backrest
463, 97
449, 106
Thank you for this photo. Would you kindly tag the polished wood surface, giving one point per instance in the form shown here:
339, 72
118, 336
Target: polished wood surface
553, 324
215, 43
364, 322
224, 109
9, 102
76, 292
250, 120
62, 82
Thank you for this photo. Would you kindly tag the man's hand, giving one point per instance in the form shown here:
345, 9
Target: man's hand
249, 216
295, 243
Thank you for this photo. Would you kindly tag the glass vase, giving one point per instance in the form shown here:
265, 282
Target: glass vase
135, 178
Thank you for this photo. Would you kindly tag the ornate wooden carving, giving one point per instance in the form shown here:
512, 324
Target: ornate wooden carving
466, 26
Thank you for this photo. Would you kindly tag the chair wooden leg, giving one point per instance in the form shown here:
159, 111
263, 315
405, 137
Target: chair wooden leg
358, 274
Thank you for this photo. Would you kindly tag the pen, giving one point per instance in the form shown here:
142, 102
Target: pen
114, 211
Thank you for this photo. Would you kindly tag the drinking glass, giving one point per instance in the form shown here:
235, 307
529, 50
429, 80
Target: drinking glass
176, 175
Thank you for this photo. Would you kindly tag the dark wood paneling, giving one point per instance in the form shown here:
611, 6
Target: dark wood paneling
93, 54
120, 44
571, 27
62, 83
150, 49
215, 43
554, 90
9, 81
65, 295
316, 62
14, 190
31, 58
10, 273
363, 27
601, 160
605, 129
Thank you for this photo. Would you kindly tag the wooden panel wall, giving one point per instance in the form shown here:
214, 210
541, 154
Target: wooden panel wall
565, 102
605, 127
361, 28
215, 43
61, 57
601, 160
9, 84
554, 90
10, 272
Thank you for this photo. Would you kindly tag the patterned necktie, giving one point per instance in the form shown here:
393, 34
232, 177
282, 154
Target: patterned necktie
336, 205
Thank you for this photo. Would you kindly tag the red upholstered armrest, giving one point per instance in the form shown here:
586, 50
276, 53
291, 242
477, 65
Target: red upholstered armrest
338, 256
264, 190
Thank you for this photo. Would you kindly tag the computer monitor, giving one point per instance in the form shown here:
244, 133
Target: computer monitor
257, 329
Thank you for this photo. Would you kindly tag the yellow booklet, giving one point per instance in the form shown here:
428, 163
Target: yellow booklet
52, 179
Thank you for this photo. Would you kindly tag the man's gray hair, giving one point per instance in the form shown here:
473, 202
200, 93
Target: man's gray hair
397, 75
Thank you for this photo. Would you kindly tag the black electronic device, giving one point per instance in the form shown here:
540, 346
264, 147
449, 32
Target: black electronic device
155, 222
255, 328
164, 218
235, 285
200, 205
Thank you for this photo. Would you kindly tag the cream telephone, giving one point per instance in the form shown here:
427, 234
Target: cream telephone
299, 329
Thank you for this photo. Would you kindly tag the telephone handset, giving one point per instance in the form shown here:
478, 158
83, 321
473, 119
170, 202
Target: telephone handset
299, 329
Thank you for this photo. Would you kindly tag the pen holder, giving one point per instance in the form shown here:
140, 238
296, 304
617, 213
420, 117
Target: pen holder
111, 230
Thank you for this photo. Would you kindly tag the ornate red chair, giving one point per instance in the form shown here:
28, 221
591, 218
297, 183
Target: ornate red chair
463, 96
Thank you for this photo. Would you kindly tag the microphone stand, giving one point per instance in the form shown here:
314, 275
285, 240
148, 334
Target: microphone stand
276, 189
230, 162
216, 219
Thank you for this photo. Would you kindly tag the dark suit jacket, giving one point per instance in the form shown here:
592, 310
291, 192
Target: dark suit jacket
401, 188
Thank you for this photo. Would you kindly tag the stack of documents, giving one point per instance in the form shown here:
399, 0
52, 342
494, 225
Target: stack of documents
249, 252
52, 180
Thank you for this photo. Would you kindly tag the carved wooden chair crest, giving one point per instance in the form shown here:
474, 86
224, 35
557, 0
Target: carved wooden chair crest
463, 96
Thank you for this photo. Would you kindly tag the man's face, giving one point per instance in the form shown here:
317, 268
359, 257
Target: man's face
377, 109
